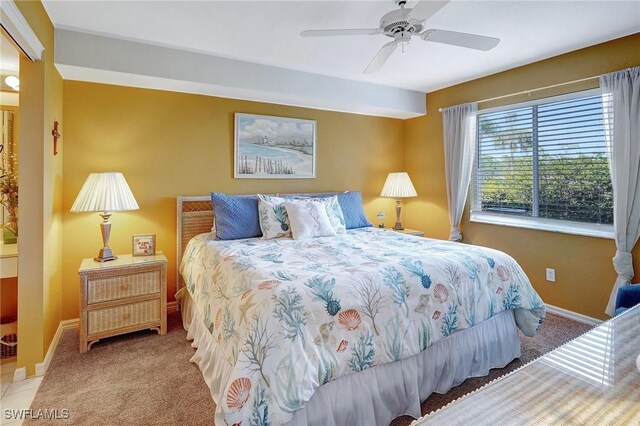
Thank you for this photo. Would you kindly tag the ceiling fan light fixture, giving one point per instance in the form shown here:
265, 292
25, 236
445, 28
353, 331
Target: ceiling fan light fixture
13, 82
403, 39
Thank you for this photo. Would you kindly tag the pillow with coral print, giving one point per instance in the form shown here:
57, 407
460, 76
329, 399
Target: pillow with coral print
309, 219
274, 221
334, 211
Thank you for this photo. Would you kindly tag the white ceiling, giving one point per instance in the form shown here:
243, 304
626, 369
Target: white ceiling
267, 32
9, 56
9, 65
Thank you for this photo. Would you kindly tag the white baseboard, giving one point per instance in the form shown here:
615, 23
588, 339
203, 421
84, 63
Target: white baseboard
573, 315
70, 324
172, 307
41, 368
19, 374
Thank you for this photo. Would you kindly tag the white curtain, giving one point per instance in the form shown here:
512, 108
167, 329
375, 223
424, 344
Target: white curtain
621, 108
459, 123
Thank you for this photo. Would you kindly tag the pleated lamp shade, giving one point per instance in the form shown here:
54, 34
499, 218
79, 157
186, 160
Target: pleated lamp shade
398, 185
105, 192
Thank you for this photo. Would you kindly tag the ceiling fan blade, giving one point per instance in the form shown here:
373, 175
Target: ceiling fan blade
471, 41
381, 57
425, 9
355, 31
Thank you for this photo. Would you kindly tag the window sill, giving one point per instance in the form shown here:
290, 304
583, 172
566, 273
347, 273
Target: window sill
550, 225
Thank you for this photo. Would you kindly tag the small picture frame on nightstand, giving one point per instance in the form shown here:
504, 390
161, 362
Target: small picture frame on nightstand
143, 244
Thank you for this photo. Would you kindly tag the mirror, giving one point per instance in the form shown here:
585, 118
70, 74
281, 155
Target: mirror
9, 176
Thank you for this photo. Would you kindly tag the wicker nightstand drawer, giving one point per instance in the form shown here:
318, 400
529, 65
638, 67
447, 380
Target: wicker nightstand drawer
120, 296
114, 288
123, 316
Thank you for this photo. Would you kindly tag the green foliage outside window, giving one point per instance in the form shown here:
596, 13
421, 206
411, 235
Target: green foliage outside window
567, 192
573, 176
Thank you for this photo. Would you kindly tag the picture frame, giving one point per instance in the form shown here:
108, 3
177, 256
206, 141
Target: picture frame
270, 147
143, 244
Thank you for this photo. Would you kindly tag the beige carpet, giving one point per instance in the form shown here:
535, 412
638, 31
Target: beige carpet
146, 379
140, 378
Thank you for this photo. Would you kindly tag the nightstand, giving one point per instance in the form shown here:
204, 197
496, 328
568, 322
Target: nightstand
120, 296
408, 232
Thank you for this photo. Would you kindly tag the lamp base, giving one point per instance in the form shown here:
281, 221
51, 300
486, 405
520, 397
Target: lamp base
105, 255
104, 259
398, 226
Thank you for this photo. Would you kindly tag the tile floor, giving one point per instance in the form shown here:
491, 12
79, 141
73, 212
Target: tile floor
15, 396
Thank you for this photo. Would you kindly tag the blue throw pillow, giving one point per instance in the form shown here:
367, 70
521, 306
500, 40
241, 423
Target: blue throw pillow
351, 205
236, 216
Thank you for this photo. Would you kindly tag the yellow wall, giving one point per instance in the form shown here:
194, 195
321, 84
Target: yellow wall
170, 144
584, 272
40, 177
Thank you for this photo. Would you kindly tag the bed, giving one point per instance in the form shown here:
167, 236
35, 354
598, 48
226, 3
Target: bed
353, 329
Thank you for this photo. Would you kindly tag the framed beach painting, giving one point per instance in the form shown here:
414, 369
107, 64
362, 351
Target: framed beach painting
269, 147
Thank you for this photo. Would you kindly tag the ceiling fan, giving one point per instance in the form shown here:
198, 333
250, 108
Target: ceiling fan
405, 23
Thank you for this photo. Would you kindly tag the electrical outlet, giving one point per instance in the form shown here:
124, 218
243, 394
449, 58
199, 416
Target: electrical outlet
551, 275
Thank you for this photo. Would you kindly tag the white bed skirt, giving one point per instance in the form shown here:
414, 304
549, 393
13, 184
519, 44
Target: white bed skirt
379, 394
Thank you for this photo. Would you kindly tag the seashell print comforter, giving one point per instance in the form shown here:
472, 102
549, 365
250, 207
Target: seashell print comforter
292, 315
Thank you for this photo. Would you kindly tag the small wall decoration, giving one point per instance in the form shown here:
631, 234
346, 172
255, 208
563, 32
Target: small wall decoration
274, 147
56, 135
144, 245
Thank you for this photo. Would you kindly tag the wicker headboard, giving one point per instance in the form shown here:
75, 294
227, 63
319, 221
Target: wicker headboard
195, 216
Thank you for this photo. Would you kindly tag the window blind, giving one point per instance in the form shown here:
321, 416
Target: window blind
545, 159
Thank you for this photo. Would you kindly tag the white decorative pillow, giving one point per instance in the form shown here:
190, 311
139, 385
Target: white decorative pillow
308, 219
274, 221
334, 211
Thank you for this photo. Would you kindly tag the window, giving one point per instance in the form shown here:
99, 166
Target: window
543, 165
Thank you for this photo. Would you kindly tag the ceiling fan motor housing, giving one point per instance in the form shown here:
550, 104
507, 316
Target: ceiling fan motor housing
398, 21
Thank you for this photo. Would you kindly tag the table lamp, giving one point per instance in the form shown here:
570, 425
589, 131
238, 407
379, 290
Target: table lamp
398, 185
106, 193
